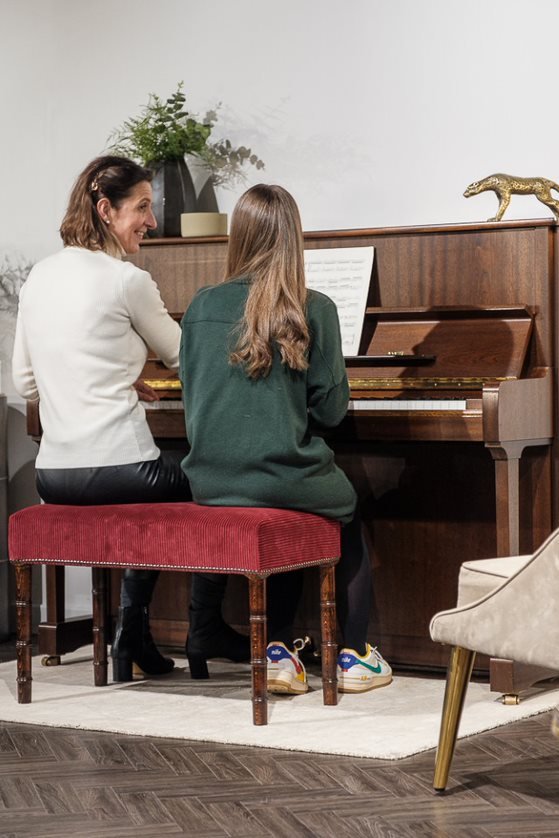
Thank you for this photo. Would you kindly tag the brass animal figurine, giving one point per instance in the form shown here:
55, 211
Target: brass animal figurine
506, 185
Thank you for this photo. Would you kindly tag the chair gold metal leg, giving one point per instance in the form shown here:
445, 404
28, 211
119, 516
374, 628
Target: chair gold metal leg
458, 677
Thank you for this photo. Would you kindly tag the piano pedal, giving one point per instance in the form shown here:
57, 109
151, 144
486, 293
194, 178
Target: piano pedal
510, 699
50, 660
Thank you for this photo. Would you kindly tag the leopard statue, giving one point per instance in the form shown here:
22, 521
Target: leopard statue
506, 185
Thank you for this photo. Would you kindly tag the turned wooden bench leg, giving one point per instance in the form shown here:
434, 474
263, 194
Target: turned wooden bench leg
99, 597
257, 608
23, 632
328, 634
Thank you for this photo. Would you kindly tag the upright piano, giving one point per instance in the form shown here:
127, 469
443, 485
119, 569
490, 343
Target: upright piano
449, 437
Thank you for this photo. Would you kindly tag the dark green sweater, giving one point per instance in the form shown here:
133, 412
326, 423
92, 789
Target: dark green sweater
251, 440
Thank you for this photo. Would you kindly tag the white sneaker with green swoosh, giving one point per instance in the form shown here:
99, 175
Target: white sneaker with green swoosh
359, 673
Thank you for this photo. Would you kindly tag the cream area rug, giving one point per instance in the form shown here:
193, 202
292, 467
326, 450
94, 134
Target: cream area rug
389, 723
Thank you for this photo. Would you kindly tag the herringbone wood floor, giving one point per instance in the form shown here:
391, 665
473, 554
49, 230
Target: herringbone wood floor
56, 782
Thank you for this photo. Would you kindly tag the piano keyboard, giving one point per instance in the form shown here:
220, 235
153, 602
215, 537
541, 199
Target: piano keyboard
408, 404
164, 404
355, 404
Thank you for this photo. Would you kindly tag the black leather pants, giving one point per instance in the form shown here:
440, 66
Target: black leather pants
154, 481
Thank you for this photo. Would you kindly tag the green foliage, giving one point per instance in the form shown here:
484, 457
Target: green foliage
225, 162
165, 130
13, 273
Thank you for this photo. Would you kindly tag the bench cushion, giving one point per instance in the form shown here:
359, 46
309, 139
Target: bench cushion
172, 536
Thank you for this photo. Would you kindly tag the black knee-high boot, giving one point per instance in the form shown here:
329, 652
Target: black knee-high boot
209, 636
133, 643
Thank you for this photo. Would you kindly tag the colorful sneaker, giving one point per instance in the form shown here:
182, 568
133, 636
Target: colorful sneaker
286, 673
358, 674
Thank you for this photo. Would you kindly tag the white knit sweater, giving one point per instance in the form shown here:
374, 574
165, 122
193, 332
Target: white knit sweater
84, 324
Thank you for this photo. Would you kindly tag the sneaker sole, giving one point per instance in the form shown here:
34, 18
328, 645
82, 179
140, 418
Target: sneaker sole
277, 684
361, 687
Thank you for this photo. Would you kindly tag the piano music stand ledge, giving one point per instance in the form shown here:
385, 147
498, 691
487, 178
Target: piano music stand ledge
254, 542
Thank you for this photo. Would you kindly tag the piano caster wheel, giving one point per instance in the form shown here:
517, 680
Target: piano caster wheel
511, 699
50, 660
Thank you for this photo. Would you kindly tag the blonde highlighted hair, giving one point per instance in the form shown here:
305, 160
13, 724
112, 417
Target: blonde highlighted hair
266, 245
108, 177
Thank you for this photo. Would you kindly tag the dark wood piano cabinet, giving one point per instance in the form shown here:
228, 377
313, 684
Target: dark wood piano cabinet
435, 486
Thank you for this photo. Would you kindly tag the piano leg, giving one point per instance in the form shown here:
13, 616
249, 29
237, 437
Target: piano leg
507, 459
509, 677
58, 635
506, 676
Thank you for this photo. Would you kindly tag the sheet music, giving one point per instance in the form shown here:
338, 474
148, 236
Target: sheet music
343, 274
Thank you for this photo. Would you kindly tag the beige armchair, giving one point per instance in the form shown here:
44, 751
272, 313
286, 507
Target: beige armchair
507, 608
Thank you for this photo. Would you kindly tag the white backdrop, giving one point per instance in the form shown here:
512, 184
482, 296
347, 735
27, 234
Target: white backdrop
373, 113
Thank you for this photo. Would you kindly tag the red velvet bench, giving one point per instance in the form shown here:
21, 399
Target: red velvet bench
176, 536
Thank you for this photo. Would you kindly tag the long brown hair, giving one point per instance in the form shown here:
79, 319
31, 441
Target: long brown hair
266, 244
105, 177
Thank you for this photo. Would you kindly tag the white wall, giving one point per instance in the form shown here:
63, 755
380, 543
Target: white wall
372, 113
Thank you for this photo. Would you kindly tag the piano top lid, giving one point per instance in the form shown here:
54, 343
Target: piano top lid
460, 342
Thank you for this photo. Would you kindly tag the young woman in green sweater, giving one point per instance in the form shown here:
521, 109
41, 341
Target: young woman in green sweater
261, 366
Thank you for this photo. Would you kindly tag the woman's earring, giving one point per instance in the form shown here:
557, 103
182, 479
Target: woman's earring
106, 220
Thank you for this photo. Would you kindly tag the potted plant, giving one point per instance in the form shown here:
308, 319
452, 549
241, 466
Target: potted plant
160, 137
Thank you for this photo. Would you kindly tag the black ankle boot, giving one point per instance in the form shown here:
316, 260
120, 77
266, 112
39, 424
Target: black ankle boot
133, 643
210, 637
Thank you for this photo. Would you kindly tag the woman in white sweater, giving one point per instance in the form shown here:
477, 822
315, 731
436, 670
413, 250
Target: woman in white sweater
86, 319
